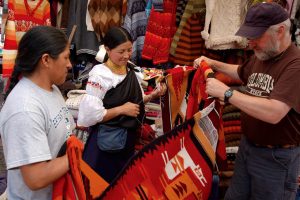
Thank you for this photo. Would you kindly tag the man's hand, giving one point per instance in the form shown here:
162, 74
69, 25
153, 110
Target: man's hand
198, 61
216, 88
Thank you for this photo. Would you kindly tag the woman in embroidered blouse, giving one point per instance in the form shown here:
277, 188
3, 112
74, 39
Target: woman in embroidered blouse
115, 98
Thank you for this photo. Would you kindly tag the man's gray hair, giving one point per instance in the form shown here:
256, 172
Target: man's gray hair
286, 23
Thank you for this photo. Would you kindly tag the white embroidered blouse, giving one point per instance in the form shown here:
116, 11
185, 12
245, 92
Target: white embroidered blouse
101, 79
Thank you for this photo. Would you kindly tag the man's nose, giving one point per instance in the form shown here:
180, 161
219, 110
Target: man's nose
252, 43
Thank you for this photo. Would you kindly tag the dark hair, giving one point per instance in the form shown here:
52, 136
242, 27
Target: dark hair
34, 43
114, 37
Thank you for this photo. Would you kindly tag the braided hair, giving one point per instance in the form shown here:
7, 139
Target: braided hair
37, 41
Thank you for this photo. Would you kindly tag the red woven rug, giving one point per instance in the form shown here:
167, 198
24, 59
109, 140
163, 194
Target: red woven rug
177, 165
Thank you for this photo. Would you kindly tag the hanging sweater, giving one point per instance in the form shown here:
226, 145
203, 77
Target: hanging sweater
222, 20
104, 15
20, 19
160, 30
193, 6
180, 10
135, 23
190, 44
86, 42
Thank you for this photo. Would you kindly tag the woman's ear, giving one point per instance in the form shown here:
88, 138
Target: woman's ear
45, 60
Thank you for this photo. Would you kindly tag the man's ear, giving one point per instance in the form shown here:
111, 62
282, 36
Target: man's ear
282, 29
45, 60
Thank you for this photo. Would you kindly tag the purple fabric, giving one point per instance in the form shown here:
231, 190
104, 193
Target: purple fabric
3, 182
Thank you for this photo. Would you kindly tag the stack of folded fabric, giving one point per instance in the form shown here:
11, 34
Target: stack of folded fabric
232, 125
232, 132
153, 111
73, 100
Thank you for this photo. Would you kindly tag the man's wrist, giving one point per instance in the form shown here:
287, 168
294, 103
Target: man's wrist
227, 95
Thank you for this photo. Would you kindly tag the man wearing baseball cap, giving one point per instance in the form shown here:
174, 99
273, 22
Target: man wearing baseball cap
268, 161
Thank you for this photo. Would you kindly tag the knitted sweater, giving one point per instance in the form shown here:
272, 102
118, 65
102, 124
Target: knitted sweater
193, 6
20, 19
86, 42
104, 15
135, 23
190, 44
224, 19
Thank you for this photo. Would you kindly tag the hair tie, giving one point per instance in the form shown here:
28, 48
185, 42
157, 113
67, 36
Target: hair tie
101, 54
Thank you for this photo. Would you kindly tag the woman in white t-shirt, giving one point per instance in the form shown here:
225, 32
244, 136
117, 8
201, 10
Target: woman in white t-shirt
34, 121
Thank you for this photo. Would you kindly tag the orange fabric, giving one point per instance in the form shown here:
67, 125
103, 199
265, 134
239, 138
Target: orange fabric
74, 151
19, 21
63, 188
232, 129
96, 183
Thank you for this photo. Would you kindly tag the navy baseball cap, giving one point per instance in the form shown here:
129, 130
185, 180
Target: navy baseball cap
260, 17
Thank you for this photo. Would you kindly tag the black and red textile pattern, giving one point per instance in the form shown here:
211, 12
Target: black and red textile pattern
177, 165
174, 101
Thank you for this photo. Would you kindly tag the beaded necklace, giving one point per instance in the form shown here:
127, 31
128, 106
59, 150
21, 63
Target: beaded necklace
121, 70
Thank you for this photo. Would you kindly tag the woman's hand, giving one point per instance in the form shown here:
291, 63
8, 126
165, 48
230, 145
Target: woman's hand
159, 91
130, 109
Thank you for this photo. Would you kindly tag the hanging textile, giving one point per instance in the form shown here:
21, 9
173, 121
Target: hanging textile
65, 14
211, 112
160, 30
183, 167
22, 15
104, 15
54, 6
295, 7
135, 23
175, 100
193, 6
219, 31
180, 10
190, 45
86, 42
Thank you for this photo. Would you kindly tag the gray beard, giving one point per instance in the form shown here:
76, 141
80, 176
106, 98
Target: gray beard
266, 55
270, 52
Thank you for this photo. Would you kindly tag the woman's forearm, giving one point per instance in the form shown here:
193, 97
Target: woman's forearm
40, 175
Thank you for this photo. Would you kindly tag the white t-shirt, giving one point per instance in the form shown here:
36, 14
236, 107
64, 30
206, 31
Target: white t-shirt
101, 79
34, 124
